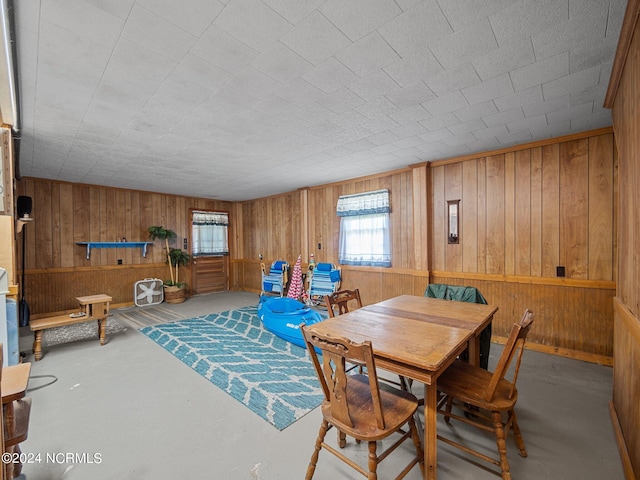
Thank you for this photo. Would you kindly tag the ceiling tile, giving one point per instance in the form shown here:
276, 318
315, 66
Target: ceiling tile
223, 50
252, 22
315, 39
358, 18
367, 55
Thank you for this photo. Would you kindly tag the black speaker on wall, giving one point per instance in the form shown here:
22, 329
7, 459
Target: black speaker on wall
25, 205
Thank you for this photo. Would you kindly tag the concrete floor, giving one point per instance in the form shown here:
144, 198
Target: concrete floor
130, 410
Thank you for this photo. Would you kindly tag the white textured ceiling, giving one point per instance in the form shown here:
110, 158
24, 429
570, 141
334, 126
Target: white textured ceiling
241, 99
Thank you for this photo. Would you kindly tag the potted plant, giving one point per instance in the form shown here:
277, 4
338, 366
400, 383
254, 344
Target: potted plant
161, 233
174, 291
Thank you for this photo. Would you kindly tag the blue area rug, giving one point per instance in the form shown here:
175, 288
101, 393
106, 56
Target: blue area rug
272, 377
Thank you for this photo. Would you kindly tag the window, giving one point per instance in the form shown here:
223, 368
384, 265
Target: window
209, 233
364, 229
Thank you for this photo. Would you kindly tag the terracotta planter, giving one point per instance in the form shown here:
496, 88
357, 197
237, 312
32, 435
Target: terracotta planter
174, 294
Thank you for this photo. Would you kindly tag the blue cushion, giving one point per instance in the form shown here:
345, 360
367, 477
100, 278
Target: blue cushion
278, 265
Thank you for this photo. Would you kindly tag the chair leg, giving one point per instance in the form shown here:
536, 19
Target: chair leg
373, 461
502, 445
517, 434
342, 439
415, 436
447, 417
314, 457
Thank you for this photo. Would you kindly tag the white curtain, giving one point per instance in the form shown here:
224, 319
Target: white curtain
364, 229
209, 233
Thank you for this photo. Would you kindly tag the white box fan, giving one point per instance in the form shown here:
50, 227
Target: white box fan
149, 291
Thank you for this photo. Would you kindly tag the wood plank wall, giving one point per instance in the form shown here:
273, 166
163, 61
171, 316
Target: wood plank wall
506, 243
523, 212
623, 98
57, 269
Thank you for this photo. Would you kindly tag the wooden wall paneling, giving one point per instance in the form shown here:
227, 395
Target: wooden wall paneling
139, 230
67, 222
574, 204
116, 216
481, 212
574, 320
509, 213
396, 220
439, 232
56, 253
145, 207
248, 240
81, 226
132, 229
551, 209
236, 232
95, 218
536, 212
601, 208
626, 385
407, 204
111, 229
469, 216
303, 224
421, 217
495, 205
43, 245
522, 217
453, 191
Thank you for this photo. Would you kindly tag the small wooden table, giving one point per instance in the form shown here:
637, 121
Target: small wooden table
417, 337
92, 307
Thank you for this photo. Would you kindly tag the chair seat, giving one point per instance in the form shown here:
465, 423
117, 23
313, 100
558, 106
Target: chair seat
397, 406
468, 384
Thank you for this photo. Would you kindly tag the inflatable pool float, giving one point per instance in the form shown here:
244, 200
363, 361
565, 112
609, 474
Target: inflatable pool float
282, 316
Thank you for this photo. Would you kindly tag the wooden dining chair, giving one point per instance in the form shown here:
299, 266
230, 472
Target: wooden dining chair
476, 391
341, 300
15, 413
358, 405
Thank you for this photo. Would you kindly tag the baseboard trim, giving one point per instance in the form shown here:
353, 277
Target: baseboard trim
627, 468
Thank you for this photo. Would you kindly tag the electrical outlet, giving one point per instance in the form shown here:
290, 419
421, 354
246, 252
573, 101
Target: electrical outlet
119, 261
560, 271
319, 246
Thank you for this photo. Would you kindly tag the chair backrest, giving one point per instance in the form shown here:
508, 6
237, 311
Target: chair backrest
455, 292
332, 373
514, 347
323, 280
341, 299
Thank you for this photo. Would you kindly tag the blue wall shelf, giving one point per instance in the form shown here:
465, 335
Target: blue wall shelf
90, 245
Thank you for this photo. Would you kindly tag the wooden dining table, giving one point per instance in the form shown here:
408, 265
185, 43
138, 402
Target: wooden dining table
416, 337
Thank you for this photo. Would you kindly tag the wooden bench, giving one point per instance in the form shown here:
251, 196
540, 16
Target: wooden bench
93, 308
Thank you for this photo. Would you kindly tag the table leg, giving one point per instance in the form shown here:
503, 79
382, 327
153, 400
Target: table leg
474, 351
102, 329
430, 431
37, 345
